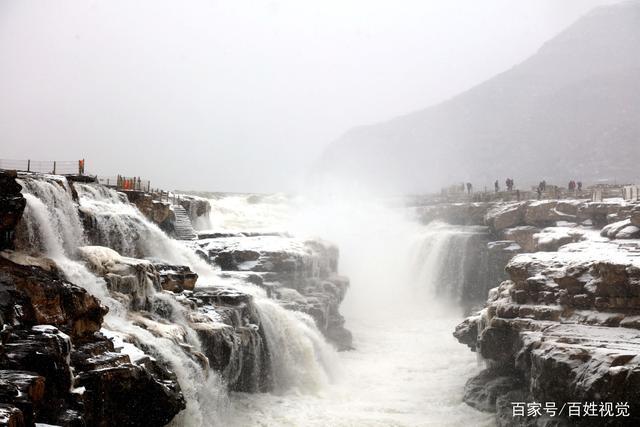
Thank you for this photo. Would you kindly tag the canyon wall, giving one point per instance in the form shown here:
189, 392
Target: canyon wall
562, 325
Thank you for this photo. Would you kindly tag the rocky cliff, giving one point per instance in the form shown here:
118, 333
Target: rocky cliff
55, 365
563, 325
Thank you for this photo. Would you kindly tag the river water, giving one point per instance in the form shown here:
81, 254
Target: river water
406, 369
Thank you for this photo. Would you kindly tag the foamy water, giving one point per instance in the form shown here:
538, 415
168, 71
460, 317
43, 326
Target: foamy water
407, 368
406, 371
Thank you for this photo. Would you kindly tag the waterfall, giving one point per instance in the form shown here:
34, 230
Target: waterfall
300, 357
65, 232
122, 227
445, 260
51, 224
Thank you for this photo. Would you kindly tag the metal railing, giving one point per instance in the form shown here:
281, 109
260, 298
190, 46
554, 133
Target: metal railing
56, 167
121, 182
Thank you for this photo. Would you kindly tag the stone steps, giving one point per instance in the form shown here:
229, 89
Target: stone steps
183, 228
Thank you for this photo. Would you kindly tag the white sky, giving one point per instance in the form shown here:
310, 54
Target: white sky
240, 95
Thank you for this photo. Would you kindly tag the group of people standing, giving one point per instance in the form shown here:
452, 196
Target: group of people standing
573, 186
508, 182
542, 186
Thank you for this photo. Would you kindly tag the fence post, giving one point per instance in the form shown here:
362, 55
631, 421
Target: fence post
54, 167
28, 165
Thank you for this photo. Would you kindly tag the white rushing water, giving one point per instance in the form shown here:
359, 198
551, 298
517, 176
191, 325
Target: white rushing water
407, 369
300, 354
53, 227
301, 358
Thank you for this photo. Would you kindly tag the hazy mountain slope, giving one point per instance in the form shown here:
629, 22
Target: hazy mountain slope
570, 110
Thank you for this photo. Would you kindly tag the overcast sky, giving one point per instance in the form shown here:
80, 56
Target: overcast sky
238, 95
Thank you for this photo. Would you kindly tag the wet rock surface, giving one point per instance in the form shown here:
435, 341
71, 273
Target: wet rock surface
563, 328
300, 274
12, 204
234, 342
55, 368
155, 210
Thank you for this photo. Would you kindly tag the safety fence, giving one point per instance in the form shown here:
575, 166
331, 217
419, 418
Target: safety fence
56, 167
121, 182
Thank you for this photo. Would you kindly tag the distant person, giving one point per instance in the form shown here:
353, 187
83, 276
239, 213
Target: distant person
496, 185
469, 186
509, 183
579, 185
544, 185
539, 191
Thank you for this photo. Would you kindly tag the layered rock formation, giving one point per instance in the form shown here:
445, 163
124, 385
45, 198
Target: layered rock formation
563, 326
301, 274
56, 367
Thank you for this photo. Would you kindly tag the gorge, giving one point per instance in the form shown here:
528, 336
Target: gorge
108, 320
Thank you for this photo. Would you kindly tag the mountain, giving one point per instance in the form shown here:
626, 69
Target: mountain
572, 110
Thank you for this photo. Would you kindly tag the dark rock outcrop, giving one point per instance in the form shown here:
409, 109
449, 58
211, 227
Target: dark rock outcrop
55, 367
12, 204
235, 344
156, 211
47, 299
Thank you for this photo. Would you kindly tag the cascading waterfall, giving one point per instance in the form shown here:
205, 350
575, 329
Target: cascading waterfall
442, 261
121, 226
300, 356
65, 226
406, 369
51, 218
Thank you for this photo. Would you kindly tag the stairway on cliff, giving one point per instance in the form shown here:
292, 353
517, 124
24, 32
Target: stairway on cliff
183, 228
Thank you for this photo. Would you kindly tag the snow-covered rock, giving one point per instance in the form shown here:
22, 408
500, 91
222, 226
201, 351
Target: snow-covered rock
621, 230
563, 328
523, 236
281, 263
552, 238
544, 213
505, 215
